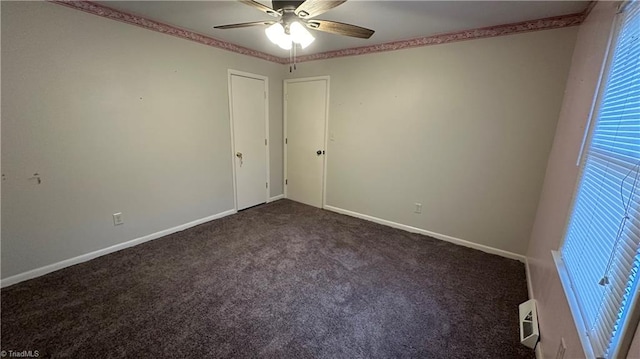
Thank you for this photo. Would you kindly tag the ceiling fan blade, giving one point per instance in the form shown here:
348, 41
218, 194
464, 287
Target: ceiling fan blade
340, 28
245, 24
311, 8
259, 6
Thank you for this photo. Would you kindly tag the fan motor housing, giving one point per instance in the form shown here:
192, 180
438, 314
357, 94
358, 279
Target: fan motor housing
281, 5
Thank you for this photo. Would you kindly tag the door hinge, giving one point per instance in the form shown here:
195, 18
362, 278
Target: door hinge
286, 181
265, 141
286, 141
266, 185
265, 94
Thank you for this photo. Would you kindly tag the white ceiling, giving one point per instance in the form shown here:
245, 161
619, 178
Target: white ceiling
392, 20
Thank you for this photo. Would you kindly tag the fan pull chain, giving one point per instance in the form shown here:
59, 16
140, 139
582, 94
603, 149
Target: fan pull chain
292, 58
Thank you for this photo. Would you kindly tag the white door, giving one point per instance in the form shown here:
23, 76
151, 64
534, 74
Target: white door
305, 125
249, 131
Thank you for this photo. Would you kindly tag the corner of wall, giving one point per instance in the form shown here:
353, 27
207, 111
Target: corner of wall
560, 180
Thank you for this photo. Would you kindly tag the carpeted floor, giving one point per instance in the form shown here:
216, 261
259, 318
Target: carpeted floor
282, 280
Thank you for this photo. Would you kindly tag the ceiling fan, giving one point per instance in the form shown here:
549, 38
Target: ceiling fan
293, 16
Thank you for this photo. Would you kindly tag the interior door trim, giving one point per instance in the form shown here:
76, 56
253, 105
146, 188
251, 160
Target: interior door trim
327, 78
231, 72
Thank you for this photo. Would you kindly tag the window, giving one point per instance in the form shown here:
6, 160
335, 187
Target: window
601, 247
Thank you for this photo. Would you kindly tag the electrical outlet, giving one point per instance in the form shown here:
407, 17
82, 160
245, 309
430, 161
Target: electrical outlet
561, 349
418, 208
117, 219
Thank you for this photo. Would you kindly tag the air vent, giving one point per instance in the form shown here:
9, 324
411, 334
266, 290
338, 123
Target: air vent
529, 331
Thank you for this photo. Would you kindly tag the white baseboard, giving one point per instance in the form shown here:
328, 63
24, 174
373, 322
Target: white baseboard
527, 271
88, 256
443, 237
538, 351
275, 198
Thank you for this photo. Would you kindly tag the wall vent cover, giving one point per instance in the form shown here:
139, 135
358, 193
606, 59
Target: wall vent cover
529, 331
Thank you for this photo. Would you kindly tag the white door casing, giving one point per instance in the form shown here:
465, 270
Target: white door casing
248, 108
306, 121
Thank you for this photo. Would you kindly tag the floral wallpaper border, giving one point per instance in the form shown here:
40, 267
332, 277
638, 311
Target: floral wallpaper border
492, 31
104, 11
485, 32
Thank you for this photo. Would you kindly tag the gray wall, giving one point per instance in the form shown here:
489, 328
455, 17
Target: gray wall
561, 179
121, 119
116, 119
463, 128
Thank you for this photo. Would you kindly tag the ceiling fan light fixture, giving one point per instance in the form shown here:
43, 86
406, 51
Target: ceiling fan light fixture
285, 42
290, 30
275, 33
300, 35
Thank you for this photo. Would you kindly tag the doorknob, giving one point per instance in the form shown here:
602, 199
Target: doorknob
319, 152
239, 155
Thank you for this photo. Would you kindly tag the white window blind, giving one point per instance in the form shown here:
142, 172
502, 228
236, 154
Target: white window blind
601, 244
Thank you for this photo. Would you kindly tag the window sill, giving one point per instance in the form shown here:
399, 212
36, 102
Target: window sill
573, 305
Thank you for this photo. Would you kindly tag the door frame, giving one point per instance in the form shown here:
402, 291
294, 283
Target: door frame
327, 78
231, 72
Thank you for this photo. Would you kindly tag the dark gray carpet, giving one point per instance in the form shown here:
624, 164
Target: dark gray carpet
282, 280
